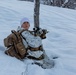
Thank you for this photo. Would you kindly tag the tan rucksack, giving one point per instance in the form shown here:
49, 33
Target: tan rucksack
14, 45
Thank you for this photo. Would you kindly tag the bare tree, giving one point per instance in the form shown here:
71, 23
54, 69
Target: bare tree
36, 13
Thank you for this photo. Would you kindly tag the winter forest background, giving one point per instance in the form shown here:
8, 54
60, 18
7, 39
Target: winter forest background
60, 3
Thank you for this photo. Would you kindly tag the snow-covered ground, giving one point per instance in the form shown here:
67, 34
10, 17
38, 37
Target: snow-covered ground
61, 39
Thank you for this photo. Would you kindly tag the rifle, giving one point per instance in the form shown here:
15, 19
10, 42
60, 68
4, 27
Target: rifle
40, 32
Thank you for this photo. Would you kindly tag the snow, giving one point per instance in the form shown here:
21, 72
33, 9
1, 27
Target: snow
61, 39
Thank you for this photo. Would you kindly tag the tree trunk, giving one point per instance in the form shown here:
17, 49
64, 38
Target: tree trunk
36, 13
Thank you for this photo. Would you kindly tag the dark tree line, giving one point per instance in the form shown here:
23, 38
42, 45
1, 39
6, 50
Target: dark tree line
27, 0
60, 3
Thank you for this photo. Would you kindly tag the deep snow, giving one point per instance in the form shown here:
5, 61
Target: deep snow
61, 39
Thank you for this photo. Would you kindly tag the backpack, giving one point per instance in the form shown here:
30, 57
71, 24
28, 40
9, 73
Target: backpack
15, 47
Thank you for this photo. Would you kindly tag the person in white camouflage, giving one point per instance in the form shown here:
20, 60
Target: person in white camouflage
32, 43
24, 43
